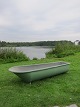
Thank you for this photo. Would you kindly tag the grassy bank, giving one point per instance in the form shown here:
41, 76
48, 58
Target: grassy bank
59, 90
62, 50
12, 55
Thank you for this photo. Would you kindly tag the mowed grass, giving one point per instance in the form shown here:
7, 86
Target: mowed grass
59, 90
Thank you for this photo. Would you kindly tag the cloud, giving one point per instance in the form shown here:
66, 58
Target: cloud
35, 20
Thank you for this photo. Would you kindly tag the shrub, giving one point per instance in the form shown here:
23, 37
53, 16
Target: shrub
35, 58
12, 55
62, 50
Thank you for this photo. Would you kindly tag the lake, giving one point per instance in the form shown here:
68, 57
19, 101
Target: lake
37, 51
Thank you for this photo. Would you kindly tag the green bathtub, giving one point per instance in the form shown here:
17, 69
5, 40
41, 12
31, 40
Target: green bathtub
39, 71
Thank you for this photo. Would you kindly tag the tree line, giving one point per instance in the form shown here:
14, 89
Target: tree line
39, 43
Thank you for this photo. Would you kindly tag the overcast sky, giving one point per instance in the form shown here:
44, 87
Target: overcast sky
39, 20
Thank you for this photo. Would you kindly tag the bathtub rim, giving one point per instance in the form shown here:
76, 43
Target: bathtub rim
10, 69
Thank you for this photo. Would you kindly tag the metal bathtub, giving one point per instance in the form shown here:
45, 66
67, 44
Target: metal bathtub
34, 72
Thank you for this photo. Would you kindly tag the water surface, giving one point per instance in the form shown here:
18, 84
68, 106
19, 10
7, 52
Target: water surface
31, 52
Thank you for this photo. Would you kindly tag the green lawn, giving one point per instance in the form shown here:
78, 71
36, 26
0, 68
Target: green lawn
59, 90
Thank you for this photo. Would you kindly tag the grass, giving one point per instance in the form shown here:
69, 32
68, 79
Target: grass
12, 55
59, 90
62, 50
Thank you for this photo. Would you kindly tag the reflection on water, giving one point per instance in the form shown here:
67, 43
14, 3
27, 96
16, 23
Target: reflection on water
31, 52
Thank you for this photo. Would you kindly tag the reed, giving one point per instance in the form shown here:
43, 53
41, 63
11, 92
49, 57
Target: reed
11, 55
62, 50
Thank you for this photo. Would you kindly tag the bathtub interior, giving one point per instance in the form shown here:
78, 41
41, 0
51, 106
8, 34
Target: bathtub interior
20, 69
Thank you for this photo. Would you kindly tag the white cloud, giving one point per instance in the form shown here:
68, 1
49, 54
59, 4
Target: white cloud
70, 35
34, 20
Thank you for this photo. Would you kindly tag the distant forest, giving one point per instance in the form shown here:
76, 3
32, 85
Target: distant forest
39, 43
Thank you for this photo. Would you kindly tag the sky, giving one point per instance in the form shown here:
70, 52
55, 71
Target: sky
39, 20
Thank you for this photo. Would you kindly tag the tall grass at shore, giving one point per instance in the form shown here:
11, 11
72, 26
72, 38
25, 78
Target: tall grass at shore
62, 50
11, 55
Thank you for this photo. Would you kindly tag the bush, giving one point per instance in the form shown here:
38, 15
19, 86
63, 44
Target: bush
35, 58
62, 50
12, 55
